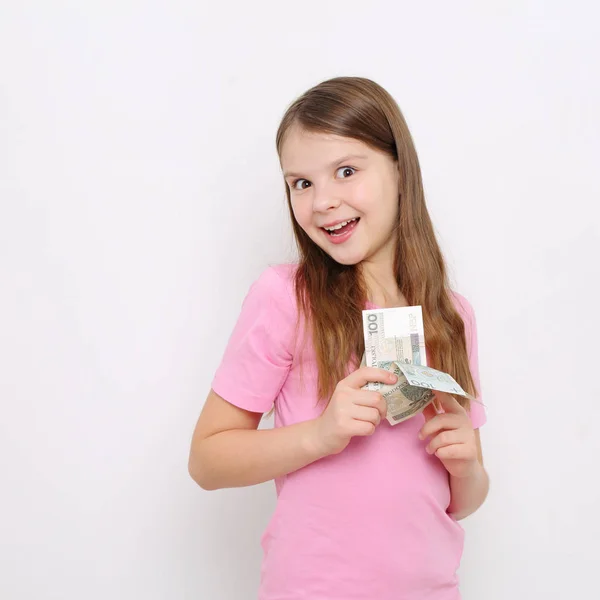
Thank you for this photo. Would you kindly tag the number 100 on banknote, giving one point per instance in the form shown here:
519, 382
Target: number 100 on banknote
394, 334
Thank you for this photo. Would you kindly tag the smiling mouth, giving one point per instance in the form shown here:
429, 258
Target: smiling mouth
341, 228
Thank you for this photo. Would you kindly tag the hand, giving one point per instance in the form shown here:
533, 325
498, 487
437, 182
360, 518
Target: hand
352, 410
453, 438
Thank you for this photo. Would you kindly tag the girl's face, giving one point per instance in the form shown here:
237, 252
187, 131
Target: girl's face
335, 179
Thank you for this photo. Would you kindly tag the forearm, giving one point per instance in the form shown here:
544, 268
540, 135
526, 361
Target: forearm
468, 493
237, 458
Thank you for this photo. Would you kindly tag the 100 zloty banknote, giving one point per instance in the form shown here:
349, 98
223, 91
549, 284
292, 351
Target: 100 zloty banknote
395, 340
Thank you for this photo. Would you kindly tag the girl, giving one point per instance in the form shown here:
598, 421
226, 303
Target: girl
365, 510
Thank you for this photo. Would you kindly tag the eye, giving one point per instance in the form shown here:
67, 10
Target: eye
295, 182
346, 169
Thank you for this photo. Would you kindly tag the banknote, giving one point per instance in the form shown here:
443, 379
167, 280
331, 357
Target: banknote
414, 389
426, 377
403, 399
394, 334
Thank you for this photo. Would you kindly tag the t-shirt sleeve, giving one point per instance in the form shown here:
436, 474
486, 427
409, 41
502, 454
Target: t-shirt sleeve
258, 355
477, 412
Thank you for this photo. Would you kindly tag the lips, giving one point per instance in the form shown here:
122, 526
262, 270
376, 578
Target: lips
342, 234
338, 222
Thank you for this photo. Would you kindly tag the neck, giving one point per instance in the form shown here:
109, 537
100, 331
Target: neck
382, 287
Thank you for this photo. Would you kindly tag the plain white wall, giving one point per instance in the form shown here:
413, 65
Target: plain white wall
140, 197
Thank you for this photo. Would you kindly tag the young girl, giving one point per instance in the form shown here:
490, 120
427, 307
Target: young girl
365, 510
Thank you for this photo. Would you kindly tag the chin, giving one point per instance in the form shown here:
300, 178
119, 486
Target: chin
346, 259
340, 255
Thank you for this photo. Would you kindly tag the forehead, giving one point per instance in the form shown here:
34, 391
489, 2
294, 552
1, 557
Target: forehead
306, 150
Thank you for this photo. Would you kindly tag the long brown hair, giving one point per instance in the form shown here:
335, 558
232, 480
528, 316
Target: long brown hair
331, 296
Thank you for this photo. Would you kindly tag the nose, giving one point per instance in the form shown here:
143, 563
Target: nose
325, 198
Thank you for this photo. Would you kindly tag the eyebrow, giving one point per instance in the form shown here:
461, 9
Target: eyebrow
331, 165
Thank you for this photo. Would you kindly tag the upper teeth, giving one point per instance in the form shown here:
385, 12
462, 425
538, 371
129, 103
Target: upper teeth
340, 225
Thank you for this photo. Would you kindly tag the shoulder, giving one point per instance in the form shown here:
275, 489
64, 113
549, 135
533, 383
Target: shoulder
272, 292
276, 282
280, 276
467, 313
260, 350
463, 306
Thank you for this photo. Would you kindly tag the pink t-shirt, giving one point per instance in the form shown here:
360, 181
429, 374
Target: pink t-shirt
368, 523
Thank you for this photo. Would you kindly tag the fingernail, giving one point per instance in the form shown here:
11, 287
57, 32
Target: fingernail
393, 377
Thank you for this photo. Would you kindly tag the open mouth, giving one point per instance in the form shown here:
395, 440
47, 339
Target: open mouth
342, 229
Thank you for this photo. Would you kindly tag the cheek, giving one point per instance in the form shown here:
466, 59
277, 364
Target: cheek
365, 196
301, 213
380, 196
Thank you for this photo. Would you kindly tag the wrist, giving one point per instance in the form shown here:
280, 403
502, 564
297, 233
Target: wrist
468, 493
312, 440
474, 471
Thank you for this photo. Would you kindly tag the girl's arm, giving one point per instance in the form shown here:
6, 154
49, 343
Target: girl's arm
454, 441
229, 451
468, 493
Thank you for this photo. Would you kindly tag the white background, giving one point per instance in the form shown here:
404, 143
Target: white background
141, 195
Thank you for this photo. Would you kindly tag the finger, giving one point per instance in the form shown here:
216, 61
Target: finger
366, 398
439, 422
366, 413
447, 437
449, 403
374, 399
365, 375
454, 452
362, 428
429, 412
381, 406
